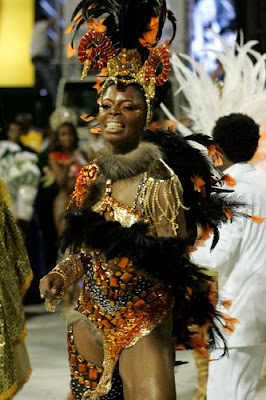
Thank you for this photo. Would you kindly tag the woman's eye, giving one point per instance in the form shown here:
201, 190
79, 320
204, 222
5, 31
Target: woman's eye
129, 108
105, 106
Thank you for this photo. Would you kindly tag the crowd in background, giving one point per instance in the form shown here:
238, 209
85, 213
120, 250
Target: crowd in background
40, 169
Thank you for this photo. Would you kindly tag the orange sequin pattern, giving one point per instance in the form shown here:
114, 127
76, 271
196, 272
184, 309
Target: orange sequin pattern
87, 176
123, 305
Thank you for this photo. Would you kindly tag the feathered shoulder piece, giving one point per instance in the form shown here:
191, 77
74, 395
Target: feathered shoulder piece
123, 41
207, 204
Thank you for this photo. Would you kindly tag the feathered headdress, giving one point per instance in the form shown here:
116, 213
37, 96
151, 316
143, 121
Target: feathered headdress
242, 90
123, 42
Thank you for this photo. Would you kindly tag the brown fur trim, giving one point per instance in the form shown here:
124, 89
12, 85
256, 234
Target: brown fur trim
73, 316
158, 170
125, 166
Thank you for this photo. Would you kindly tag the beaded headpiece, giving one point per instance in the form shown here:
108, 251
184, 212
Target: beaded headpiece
124, 44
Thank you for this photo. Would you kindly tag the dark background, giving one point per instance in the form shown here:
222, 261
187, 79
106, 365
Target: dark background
251, 18
18, 100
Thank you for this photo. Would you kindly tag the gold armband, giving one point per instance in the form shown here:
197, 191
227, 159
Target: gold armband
71, 270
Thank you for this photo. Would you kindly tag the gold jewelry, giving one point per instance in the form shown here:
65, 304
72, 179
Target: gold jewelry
155, 191
71, 270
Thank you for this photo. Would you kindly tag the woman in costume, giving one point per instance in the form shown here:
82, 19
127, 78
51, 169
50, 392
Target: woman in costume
135, 214
15, 278
65, 162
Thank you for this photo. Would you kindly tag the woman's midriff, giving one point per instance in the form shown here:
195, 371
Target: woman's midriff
122, 304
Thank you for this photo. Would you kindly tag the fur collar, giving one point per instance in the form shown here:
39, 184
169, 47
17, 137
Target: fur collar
124, 166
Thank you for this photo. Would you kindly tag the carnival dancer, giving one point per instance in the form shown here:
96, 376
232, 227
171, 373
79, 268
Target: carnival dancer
15, 278
134, 216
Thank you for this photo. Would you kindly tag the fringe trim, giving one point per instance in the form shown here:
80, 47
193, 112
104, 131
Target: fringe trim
27, 377
15, 388
9, 393
21, 337
26, 284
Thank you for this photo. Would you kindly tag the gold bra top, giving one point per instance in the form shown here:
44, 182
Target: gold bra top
148, 195
125, 215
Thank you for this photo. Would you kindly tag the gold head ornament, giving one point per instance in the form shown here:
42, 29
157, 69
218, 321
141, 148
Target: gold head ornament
97, 52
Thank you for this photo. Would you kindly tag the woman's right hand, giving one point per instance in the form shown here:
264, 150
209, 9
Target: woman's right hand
51, 286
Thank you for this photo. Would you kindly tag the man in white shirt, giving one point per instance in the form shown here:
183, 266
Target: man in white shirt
240, 258
41, 54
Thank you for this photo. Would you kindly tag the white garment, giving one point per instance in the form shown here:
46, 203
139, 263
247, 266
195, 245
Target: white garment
20, 172
235, 377
240, 258
40, 40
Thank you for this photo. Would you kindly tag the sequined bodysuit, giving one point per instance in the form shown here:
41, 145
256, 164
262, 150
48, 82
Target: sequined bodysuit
121, 301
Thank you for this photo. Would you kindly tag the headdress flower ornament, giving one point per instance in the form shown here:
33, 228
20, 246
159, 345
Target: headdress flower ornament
123, 40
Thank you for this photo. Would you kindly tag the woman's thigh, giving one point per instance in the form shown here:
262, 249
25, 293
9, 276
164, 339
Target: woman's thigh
147, 369
88, 342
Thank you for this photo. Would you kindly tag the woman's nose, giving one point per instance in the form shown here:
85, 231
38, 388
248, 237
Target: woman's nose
115, 110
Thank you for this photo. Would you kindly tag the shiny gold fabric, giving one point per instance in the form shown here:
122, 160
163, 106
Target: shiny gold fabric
15, 278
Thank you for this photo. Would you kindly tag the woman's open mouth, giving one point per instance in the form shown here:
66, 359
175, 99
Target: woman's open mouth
114, 127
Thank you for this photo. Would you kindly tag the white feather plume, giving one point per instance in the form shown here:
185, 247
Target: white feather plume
243, 87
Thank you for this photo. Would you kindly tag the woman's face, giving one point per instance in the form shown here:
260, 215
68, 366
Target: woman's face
66, 137
122, 118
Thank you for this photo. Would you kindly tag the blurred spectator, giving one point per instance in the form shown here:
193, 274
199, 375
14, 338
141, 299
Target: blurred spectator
41, 53
65, 162
44, 204
20, 172
31, 138
15, 278
14, 134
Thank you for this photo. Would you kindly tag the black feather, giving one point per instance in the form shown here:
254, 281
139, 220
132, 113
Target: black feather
171, 17
126, 21
165, 259
204, 140
188, 162
162, 258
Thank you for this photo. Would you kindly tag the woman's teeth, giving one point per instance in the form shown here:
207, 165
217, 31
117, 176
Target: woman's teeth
114, 127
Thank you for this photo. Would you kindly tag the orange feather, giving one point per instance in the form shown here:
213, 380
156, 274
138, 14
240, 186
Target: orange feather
95, 131
149, 38
198, 183
229, 180
216, 155
257, 219
70, 50
227, 212
96, 25
87, 118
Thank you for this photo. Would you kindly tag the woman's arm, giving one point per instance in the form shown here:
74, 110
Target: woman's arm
172, 223
162, 202
60, 172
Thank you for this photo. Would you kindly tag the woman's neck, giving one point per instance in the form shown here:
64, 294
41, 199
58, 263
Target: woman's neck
68, 152
122, 149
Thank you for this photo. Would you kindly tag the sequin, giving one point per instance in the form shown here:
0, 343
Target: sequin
15, 278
